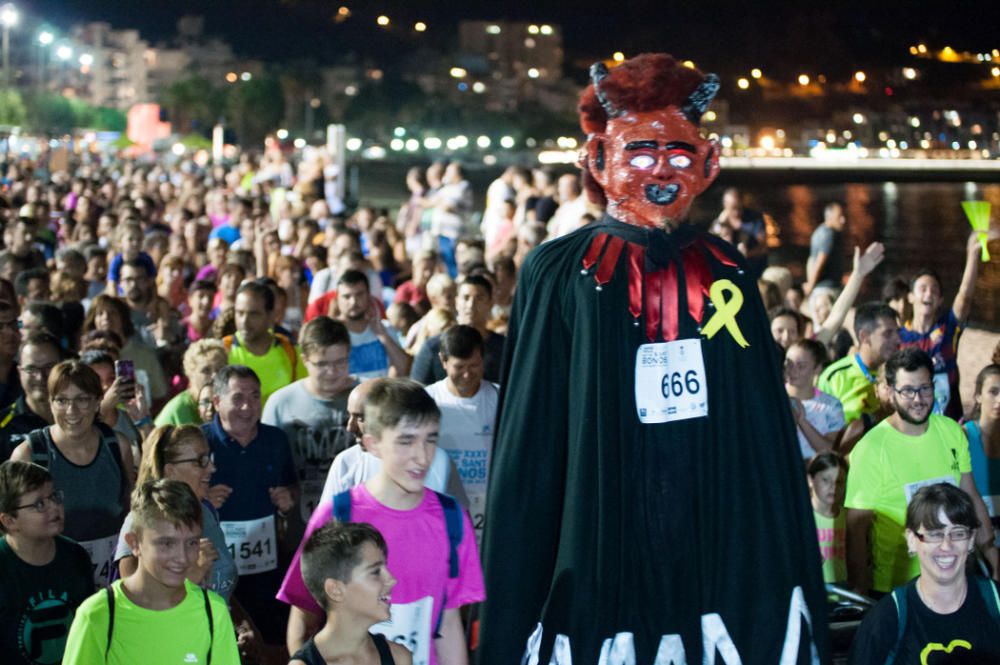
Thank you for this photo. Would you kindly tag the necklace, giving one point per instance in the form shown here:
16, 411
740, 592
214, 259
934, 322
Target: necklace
942, 610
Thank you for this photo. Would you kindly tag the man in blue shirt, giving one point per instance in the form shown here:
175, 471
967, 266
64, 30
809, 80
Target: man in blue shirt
254, 488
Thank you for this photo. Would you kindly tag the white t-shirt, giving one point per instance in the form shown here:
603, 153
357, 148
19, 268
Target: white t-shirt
467, 427
369, 359
825, 413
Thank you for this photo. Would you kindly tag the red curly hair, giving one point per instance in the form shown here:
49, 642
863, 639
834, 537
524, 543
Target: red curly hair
646, 82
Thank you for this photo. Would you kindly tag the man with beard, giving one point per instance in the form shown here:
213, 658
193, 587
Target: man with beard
375, 347
137, 288
271, 355
908, 450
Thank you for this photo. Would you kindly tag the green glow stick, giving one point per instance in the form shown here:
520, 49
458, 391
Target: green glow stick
978, 213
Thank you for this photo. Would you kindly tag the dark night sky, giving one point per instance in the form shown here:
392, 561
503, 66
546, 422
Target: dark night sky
721, 35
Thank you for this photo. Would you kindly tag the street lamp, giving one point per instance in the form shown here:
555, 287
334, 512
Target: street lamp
64, 52
8, 19
45, 37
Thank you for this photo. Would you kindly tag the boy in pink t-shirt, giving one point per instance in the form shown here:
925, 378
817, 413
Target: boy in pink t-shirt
401, 429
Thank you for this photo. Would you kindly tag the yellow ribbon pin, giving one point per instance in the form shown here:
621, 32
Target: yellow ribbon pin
728, 300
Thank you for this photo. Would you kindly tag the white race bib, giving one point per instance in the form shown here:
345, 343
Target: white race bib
253, 544
911, 488
102, 553
410, 624
670, 381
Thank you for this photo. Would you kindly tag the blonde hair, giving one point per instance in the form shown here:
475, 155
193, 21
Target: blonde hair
434, 323
200, 351
161, 447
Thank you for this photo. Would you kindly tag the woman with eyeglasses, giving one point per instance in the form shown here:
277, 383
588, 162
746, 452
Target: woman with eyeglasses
181, 453
88, 461
945, 615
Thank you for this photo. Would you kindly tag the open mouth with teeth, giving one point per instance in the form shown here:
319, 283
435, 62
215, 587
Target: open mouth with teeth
662, 195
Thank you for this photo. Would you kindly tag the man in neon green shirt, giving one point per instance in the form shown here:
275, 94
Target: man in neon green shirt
908, 450
270, 355
156, 616
852, 378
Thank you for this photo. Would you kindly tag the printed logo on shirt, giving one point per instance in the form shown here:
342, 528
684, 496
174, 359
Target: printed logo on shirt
925, 653
190, 658
41, 634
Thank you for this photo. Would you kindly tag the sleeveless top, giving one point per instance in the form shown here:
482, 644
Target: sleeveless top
94, 494
310, 655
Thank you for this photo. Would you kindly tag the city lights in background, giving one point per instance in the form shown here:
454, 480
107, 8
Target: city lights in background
383, 21
803, 79
860, 77
9, 15
742, 84
45, 37
420, 26
457, 73
64, 52
86, 60
756, 73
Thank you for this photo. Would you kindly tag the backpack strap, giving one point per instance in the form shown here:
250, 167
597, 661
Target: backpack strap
289, 349
111, 619
453, 521
38, 440
211, 626
110, 439
988, 590
342, 506
899, 597
382, 646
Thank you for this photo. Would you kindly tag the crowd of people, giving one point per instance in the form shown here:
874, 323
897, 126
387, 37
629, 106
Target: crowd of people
260, 427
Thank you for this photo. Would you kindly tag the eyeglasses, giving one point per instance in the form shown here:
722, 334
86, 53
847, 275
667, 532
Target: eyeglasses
959, 534
80, 401
37, 370
40, 506
202, 461
909, 392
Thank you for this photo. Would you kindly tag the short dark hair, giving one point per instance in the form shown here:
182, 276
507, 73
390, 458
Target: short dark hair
909, 360
75, 373
138, 265
824, 461
220, 384
202, 285
354, 277
41, 338
800, 321
930, 500
17, 478
391, 401
868, 316
259, 290
24, 278
51, 317
813, 348
323, 332
460, 342
478, 280
92, 357
333, 551
925, 272
894, 289
993, 369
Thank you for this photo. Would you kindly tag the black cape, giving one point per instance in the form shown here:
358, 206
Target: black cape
601, 525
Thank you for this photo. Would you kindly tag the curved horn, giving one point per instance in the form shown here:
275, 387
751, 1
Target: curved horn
598, 72
698, 101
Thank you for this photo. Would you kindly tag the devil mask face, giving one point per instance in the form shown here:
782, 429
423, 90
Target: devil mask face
652, 165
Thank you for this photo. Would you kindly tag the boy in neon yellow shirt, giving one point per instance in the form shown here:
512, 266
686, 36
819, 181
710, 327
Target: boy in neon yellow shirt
156, 616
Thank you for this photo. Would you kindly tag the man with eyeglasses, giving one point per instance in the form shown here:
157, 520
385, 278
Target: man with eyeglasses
910, 449
39, 354
44, 575
313, 411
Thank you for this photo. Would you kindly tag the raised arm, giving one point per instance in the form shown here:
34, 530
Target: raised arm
864, 264
963, 299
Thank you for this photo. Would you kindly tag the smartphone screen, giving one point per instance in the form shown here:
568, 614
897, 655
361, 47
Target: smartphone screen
125, 370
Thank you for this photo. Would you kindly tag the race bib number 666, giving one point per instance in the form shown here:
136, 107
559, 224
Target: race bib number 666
670, 381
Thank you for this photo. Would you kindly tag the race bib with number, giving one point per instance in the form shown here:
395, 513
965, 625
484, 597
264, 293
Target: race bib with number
410, 624
912, 488
670, 381
102, 553
311, 491
252, 544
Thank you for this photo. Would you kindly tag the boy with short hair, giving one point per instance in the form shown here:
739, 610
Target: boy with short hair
156, 615
431, 542
344, 568
44, 576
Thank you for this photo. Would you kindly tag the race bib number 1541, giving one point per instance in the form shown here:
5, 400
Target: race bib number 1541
670, 381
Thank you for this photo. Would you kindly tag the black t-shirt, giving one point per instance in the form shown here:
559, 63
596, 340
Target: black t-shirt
310, 655
37, 603
427, 367
969, 636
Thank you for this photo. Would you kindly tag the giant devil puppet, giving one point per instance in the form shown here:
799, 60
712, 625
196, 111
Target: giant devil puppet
647, 502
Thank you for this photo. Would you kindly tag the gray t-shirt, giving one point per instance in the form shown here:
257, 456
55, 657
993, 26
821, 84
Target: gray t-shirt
317, 432
826, 240
223, 576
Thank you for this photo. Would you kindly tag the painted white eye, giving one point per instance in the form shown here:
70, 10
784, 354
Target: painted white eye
679, 161
642, 161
